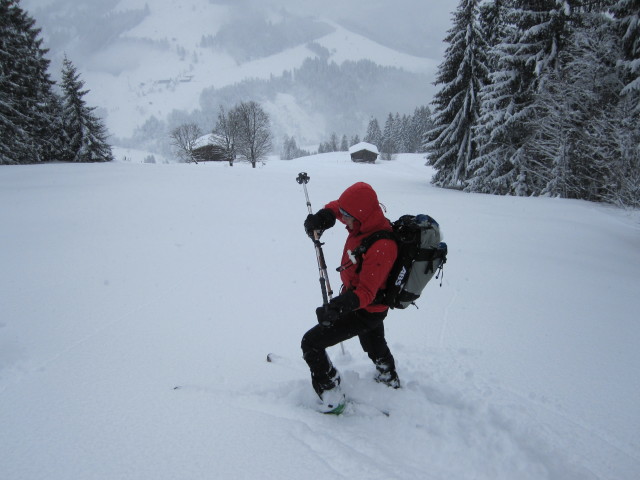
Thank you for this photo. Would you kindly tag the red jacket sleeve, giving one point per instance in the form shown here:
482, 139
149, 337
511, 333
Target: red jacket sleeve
333, 206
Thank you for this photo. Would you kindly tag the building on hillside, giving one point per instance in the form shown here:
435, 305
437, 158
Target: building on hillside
208, 149
364, 152
210, 153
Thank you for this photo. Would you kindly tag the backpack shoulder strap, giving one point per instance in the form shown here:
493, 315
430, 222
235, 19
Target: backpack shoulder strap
369, 241
373, 238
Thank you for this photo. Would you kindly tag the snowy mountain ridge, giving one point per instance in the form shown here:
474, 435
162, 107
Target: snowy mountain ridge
154, 59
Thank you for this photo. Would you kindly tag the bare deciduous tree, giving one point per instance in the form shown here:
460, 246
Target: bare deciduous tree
226, 133
184, 138
254, 131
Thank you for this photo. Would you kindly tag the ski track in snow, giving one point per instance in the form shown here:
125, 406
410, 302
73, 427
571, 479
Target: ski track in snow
498, 439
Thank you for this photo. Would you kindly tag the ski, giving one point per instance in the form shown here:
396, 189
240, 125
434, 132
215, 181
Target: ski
274, 358
338, 410
350, 406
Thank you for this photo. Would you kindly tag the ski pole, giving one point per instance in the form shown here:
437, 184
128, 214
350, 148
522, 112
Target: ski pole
325, 286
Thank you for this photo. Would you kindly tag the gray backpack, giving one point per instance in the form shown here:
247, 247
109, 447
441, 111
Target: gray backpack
421, 255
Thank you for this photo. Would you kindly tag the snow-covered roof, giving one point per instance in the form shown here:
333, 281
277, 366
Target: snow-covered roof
364, 146
207, 139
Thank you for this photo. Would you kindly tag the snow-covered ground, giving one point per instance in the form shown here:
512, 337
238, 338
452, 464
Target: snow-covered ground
122, 281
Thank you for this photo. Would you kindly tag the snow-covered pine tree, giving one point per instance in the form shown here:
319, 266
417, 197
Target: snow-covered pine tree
508, 127
291, 150
374, 134
493, 24
549, 161
388, 147
498, 99
421, 125
413, 136
344, 144
333, 142
53, 147
577, 112
397, 134
288, 144
627, 13
86, 132
28, 104
406, 136
451, 144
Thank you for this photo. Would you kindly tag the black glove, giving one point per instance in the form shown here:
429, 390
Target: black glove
327, 315
319, 221
345, 303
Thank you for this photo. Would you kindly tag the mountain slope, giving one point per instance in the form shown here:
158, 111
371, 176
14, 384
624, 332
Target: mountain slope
144, 59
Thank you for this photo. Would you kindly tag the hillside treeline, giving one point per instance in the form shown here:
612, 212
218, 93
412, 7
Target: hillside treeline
540, 98
400, 134
40, 123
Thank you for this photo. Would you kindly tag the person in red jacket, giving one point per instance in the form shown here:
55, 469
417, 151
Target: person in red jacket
354, 312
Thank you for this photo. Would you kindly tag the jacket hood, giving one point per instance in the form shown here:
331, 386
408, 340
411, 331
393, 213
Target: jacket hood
361, 202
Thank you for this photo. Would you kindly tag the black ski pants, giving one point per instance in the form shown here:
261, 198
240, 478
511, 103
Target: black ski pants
369, 327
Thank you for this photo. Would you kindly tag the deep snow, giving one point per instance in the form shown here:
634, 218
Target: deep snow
122, 281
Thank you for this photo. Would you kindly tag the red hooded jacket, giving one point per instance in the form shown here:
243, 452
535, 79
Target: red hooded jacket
361, 202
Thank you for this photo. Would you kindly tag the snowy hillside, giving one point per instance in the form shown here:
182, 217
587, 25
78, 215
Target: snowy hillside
159, 64
165, 83
122, 281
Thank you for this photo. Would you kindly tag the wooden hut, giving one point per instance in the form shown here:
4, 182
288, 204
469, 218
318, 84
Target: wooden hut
208, 148
364, 152
210, 153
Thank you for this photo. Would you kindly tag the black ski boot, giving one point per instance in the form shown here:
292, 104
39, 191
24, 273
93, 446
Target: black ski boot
387, 374
329, 391
328, 381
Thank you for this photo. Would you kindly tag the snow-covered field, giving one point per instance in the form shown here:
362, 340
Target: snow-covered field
122, 281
